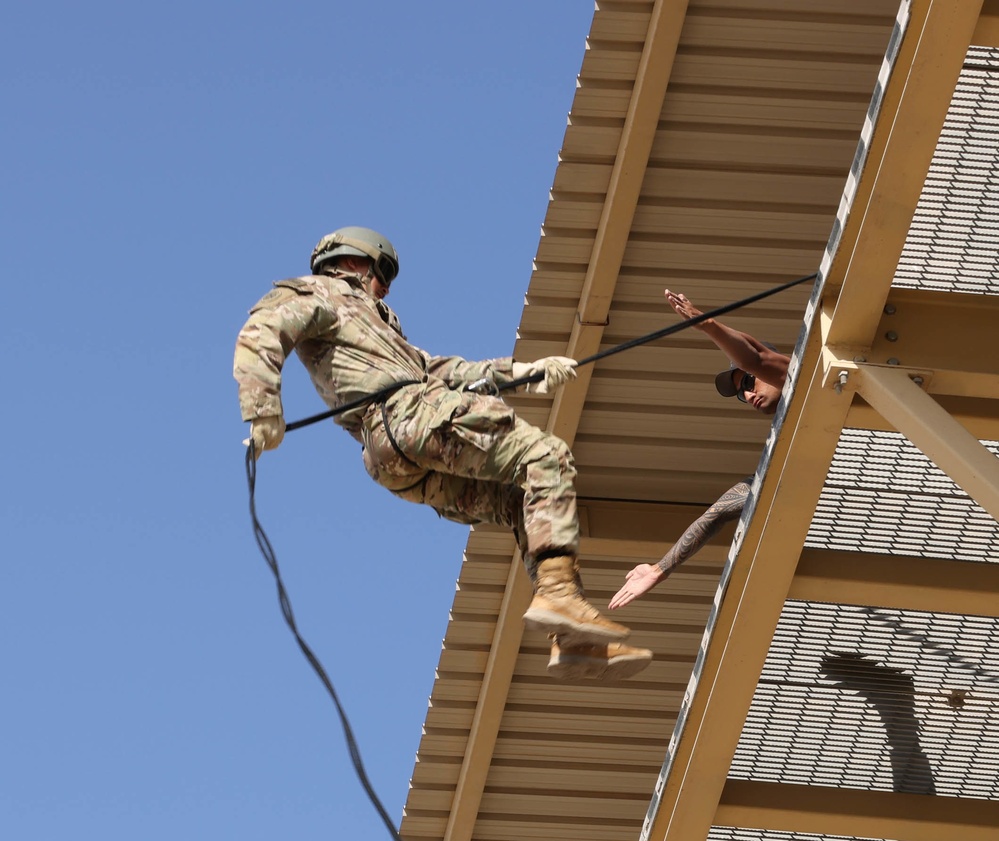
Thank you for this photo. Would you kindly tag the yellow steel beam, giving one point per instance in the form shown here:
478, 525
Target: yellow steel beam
848, 812
748, 613
942, 439
665, 24
948, 340
976, 414
610, 527
897, 581
913, 110
986, 32
953, 335
489, 710
619, 206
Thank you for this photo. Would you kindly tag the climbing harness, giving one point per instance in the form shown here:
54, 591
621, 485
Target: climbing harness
382, 395
486, 386
395, 444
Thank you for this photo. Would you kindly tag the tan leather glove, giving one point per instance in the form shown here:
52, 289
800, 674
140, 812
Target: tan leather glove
558, 370
267, 433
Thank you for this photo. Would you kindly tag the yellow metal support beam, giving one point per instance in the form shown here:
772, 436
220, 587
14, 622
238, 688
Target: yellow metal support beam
750, 608
864, 814
897, 581
614, 227
857, 284
976, 414
492, 699
987, 29
953, 335
941, 438
915, 105
946, 339
665, 24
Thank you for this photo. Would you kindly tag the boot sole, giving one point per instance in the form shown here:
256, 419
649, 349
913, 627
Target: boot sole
538, 619
617, 668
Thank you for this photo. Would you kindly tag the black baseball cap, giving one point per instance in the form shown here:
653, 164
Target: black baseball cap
723, 380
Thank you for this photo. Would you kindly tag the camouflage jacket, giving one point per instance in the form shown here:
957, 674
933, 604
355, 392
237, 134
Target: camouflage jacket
350, 343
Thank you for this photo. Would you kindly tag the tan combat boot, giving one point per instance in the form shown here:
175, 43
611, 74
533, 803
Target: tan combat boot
571, 660
559, 606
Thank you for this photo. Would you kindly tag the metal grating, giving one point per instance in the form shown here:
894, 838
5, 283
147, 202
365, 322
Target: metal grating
883, 495
877, 699
953, 244
731, 833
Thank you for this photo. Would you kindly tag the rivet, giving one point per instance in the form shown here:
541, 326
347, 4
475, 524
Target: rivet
893, 361
889, 309
891, 336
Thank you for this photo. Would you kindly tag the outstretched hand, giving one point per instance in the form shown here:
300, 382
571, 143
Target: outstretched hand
683, 307
636, 583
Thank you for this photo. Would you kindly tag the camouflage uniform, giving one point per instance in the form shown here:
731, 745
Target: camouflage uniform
466, 455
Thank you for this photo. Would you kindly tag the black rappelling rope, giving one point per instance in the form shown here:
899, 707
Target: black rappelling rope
674, 328
538, 377
268, 552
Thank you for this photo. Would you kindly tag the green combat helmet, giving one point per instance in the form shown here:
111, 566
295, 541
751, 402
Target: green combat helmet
362, 242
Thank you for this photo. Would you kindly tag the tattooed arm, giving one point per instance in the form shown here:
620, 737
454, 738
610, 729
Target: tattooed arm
727, 507
645, 576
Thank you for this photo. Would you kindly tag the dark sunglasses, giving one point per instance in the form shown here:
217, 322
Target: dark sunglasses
747, 382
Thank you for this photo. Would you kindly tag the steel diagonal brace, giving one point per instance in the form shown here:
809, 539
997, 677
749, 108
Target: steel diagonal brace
899, 395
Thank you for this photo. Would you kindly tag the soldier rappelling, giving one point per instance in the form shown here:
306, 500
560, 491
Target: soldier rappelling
426, 437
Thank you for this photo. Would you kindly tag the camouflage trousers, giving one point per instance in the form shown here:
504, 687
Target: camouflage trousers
472, 460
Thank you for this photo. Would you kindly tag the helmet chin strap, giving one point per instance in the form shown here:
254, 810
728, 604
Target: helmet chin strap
368, 279
372, 253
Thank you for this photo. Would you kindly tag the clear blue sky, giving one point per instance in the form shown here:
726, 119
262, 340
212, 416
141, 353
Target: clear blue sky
163, 163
